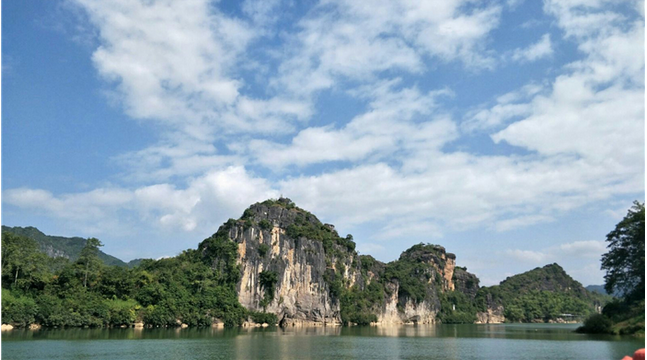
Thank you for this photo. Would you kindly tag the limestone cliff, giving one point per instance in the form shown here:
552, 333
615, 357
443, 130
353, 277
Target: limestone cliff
300, 269
276, 237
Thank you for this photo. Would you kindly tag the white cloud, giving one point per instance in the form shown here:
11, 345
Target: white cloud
596, 111
543, 48
527, 256
387, 126
521, 221
591, 248
205, 203
357, 40
168, 57
176, 64
508, 106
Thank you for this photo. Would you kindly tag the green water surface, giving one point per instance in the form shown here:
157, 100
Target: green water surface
505, 341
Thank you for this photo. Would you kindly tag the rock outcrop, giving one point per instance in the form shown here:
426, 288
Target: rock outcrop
298, 268
301, 295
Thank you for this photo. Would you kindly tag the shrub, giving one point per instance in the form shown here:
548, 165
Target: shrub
268, 279
264, 224
596, 324
263, 317
263, 249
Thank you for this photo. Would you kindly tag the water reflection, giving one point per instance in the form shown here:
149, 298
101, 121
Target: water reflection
493, 331
522, 341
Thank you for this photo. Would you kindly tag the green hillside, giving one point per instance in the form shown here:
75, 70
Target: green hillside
541, 294
59, 246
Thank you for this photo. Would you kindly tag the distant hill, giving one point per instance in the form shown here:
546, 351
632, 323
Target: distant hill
596, 288
600, 290
541, 294
135, 262
58, 246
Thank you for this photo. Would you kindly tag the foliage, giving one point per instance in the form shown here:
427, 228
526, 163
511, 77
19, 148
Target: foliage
596, 324
540, 294
59, 246
465, 312
625, 267
263, 317
308, 226
359, 306
412, 275
264, 224
268, 280
194, 288
625, 261
89, 259
18, 310
263, 249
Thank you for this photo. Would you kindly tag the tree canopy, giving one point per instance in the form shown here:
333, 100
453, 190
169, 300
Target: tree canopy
625, 261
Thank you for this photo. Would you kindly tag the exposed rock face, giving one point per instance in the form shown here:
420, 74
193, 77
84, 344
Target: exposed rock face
404, 310
53, 252
312, 263
466, 282
301, 295
432, 266
491, 316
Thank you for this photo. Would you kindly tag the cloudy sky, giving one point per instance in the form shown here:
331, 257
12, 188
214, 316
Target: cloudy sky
511, 132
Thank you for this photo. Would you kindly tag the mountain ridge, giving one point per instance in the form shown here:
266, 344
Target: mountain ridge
278, 261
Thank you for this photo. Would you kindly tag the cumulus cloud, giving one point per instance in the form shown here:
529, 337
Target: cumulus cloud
389, 124
590, 249
177, 64
205, 202
541, 49
357, 40
595, 111
509, 106
527, 256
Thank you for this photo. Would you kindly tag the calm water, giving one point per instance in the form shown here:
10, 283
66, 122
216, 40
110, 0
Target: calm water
514, 341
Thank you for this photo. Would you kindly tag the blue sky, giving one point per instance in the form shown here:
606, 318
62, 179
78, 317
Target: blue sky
511, 132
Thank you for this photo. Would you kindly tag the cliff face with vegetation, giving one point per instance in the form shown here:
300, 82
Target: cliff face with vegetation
300, 269
287, 258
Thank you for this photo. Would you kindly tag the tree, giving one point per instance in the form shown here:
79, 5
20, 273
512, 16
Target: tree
21, 256
625, 260
89, 258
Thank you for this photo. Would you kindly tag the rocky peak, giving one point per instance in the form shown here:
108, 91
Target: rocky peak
278, 213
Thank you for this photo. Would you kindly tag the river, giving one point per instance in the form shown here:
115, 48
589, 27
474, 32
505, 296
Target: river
505, 341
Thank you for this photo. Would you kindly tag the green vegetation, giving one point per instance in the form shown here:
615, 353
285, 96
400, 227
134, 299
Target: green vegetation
56, 246
308, 226
465, 309
194, 288
264, 224
263, 317
359, 306
541, 294
268, 280
625, 274
596, 324
263, 249
413, 271
199, 286
625, 260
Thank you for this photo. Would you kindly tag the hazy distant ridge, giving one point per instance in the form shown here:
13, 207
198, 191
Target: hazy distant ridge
59, 246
